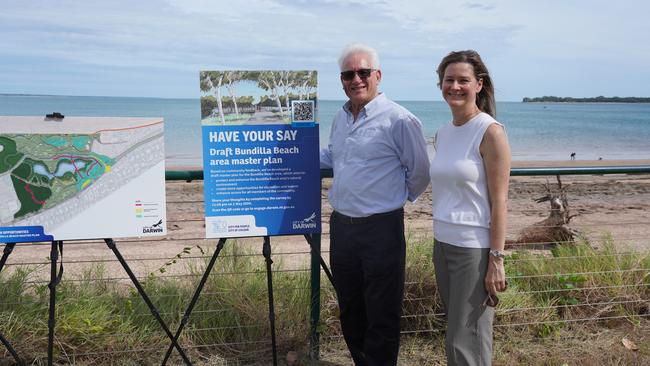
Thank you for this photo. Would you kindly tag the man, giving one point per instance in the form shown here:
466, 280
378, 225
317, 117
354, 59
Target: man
379, 157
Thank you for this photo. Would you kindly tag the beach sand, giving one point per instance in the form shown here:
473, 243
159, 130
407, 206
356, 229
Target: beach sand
613, 204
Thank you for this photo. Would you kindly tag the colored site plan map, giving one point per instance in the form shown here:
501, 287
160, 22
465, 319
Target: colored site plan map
81, 178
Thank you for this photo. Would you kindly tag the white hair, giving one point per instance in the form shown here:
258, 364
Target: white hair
354, 48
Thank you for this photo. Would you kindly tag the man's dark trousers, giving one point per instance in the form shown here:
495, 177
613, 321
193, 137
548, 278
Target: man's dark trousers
367, 256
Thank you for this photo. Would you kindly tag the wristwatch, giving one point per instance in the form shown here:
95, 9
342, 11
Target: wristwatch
497, 253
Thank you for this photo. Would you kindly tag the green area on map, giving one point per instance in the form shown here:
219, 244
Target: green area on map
48, 169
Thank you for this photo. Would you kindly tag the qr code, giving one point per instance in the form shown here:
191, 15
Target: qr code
303, 110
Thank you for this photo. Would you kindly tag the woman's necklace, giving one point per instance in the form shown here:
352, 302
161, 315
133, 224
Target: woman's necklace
469, 118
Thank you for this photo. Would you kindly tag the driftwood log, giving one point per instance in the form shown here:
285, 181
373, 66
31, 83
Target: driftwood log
553, 230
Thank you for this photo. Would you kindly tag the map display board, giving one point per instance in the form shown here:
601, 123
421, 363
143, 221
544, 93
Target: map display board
260, 153
81, 178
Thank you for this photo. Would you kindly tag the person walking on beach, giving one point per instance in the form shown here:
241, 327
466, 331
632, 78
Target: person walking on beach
469, 178
378, 153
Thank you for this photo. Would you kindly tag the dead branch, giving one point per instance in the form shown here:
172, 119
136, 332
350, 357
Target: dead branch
552, 230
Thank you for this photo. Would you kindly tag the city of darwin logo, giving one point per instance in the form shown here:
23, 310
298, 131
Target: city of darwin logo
155, 228
306, 223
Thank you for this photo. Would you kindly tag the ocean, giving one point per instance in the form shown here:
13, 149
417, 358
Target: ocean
536, 131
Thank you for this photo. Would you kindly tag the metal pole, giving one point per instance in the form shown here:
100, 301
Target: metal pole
266, 251
195, 298
320, 257
54, 257
316, 262
111, 244
11, 350
9, 247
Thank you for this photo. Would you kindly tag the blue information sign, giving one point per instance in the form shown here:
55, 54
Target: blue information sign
261, 167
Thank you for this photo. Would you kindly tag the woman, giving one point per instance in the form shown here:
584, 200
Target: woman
469, 176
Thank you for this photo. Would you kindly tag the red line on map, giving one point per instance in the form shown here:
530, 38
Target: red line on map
72, 158
75, 166
92, 166
33, 196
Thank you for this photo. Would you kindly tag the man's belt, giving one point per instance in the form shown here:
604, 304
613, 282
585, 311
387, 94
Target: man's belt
349, 220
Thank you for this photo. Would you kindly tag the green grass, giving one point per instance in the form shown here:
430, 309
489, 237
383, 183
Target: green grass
230, 322
96, 316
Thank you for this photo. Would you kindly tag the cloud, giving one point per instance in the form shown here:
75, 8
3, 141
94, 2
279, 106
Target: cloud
149, 38
478, 6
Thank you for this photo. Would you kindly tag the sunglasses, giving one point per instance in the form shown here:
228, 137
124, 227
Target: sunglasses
491, 301
349, 75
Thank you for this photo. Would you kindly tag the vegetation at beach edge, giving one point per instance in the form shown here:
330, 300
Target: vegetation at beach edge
100, 321
598, 99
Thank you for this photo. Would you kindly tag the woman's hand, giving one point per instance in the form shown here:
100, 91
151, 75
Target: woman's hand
495, 279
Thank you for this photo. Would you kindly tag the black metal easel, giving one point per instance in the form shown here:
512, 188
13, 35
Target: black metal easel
154, 311
55, 279
9, 247
266, 251
56, 275
195, 298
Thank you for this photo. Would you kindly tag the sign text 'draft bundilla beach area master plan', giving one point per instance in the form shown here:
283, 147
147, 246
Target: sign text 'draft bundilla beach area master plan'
260, 153
81, 178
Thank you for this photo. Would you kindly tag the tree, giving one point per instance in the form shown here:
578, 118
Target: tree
269, 81
287, 81
212, 80
231, 78
208, 104
246, 100
306, 83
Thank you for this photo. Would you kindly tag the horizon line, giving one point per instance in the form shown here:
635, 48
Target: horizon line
187, 98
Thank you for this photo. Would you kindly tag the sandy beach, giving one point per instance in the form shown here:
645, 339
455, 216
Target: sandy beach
605, 204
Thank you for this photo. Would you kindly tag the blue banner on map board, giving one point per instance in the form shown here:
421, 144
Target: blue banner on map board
23, 234
261, 180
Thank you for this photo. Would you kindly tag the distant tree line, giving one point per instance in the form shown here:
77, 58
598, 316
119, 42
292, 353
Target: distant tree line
598, 99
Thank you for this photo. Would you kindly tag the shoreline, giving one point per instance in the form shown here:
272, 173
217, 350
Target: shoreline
515, 164
577, 163
582, 102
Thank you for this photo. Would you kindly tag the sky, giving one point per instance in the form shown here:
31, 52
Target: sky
156, 48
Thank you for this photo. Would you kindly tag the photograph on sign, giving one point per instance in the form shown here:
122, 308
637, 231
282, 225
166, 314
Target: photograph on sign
260, 153
81, 178
257, 97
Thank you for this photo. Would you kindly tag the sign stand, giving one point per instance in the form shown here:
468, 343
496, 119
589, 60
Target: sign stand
9, 247
57, 274
154, 311
314, 243
266, 251
195, 298
311, 240
55, 278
